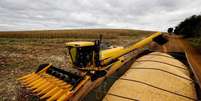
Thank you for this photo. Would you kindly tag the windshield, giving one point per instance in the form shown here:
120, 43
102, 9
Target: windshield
81, 56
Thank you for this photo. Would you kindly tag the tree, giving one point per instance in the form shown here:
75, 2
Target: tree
190, 27
170, 30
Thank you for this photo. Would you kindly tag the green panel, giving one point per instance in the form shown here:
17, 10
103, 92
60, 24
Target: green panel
73, 53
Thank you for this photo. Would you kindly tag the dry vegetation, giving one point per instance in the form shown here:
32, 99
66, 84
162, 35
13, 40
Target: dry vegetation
21, 52
83, 33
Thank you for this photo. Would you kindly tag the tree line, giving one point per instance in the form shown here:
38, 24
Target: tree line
190, 27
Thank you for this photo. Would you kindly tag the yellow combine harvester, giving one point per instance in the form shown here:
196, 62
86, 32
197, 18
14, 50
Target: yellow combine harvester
91, 66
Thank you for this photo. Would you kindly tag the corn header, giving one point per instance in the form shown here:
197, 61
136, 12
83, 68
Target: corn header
90, 66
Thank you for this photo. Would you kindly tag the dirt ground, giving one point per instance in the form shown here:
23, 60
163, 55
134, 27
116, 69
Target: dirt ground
22, 56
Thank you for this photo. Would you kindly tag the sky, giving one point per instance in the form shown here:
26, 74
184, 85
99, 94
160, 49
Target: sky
75, 14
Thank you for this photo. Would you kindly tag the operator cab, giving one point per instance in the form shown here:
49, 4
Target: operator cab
82, 53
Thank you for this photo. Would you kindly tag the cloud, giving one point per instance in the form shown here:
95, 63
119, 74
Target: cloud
58, 14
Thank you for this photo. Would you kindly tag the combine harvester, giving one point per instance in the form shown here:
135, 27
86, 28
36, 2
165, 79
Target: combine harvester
91, 66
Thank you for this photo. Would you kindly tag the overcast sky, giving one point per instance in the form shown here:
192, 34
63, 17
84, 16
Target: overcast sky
58, 14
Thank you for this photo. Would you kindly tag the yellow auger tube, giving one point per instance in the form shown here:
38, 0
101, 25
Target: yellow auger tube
132, 47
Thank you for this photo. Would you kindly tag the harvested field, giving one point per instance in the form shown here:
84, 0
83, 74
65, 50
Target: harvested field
20, 55
84, 33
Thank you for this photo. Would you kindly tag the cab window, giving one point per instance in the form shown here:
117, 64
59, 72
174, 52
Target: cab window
81, 56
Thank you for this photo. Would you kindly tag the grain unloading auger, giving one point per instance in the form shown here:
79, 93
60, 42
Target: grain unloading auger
90, 66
